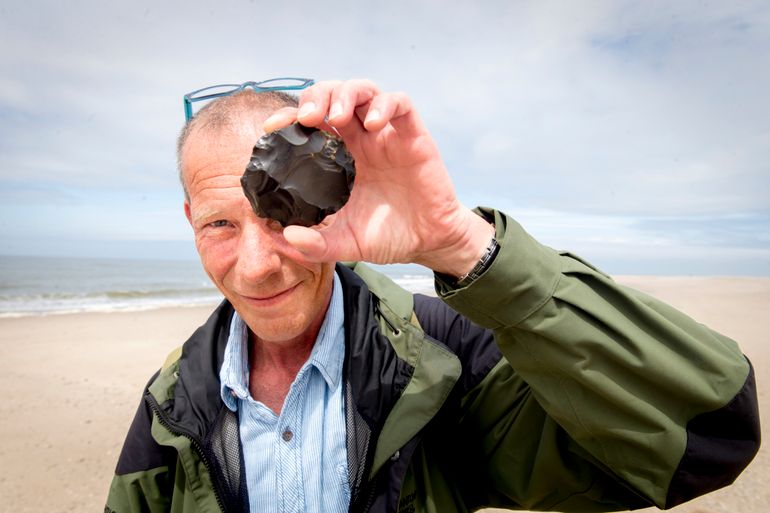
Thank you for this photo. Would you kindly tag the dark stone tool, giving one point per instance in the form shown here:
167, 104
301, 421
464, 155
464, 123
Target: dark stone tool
298, 175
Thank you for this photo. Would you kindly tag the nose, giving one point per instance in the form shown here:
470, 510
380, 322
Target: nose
259, 255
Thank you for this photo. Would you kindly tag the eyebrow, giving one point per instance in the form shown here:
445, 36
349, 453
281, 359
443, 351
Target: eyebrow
207, 215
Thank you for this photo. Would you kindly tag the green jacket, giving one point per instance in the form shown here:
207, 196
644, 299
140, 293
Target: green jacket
552, 388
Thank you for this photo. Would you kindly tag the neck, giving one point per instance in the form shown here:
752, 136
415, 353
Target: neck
284, 358
273, 366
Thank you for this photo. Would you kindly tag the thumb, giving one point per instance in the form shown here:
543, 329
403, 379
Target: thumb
280, 119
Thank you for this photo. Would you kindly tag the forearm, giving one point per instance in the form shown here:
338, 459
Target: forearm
622, 373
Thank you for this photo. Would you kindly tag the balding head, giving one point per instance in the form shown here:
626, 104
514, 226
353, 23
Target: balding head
230, 114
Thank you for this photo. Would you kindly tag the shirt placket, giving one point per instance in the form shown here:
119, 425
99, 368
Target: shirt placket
288, 440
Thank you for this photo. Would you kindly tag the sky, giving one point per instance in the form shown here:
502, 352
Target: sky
635, 134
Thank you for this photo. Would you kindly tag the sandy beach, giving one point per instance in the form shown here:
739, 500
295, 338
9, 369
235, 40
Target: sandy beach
72, 383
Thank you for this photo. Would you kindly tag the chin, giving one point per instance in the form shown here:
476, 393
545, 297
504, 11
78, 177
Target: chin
276, 330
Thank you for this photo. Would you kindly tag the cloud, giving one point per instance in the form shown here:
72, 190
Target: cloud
630, 112
642, 115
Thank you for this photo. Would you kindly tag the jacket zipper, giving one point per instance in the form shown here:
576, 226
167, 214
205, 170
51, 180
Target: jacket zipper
370, 499
155, 407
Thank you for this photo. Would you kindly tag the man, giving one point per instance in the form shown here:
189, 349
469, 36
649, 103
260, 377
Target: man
316, 388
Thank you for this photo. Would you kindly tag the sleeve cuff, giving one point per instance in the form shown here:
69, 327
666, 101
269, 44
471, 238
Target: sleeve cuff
521, 279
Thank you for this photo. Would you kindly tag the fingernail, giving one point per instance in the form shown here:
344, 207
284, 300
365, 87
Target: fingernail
336, 110
306, 110
373, 115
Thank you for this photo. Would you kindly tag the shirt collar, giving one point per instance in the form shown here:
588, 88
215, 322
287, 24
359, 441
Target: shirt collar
327, 354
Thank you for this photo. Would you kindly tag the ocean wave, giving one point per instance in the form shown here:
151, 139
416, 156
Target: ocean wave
417, 284
109, 294
29, 310
104, 301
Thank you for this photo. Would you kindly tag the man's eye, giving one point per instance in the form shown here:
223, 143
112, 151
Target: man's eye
219, 223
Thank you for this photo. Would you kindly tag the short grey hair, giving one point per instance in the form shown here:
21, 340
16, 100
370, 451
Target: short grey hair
227, 112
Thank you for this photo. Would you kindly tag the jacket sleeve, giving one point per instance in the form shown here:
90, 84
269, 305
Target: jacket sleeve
633, 398
143, 478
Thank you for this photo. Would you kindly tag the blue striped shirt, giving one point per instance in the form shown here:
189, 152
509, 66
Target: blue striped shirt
295, 461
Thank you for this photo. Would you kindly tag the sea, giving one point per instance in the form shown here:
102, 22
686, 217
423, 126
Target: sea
35, 286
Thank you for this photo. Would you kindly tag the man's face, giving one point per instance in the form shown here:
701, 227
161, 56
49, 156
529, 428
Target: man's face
279, 295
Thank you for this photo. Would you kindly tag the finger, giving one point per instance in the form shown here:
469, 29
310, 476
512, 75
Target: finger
279, 119
362, 111
347, 98
393, 108
314, 102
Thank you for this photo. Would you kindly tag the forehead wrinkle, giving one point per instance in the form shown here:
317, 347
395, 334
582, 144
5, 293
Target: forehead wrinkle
201, 183
217, 158
213, 194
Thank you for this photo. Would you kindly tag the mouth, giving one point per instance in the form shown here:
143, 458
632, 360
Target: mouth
270, 299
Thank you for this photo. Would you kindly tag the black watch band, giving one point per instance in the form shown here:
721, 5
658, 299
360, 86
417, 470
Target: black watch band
482, 265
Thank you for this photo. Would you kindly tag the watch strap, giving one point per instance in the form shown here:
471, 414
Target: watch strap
484, 262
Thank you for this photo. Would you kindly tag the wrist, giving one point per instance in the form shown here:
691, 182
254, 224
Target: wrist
490, 252
461, 258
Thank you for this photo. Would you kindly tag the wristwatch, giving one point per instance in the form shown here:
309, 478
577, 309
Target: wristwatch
484, 262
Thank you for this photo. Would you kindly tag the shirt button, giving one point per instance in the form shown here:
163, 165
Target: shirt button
287, 436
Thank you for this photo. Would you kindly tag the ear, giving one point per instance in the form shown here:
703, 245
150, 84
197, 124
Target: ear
187, 212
